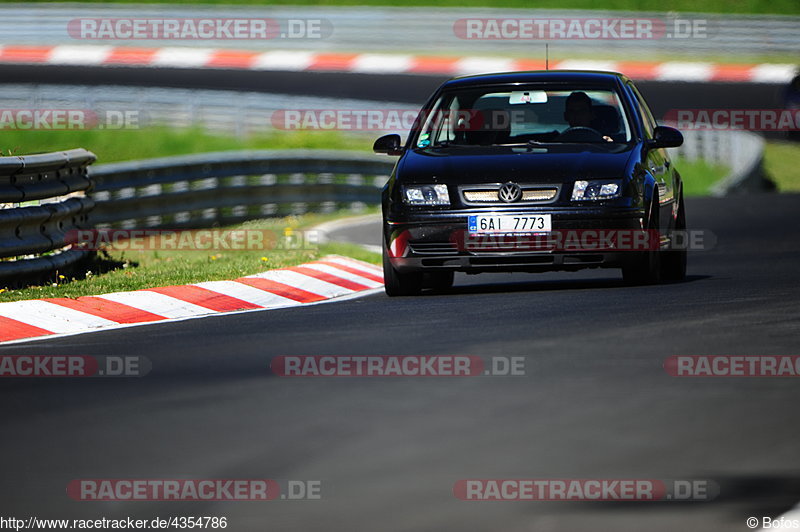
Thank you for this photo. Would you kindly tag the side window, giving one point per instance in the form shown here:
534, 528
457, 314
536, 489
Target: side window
647, 117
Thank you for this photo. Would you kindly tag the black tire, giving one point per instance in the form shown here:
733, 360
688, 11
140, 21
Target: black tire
438, 281
645, 267
673, 263
399, 284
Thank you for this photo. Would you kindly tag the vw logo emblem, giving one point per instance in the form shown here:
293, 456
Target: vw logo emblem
509, 193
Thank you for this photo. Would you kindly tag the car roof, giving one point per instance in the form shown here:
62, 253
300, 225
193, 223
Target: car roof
538, 76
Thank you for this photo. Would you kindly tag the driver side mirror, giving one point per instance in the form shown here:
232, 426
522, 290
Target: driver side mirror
666, 137
388, 144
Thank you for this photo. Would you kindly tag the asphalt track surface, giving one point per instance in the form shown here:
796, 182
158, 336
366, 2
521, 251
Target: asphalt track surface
595, 402
406, 88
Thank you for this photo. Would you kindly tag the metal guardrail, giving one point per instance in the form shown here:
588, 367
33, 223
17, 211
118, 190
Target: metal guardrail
742, 152
229, 187
237, 113
417, 29
42, 197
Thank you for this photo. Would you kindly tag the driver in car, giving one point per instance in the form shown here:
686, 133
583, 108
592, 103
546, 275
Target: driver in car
578, 112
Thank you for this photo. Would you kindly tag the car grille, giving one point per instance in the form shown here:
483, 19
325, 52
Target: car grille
433, 248
489, 195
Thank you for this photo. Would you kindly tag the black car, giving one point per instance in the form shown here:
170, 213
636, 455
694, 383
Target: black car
500, 169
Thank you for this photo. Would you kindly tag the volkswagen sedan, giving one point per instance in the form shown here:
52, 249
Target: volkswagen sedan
532, 171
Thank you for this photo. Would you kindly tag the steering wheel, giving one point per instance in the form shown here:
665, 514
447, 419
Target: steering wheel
580, 134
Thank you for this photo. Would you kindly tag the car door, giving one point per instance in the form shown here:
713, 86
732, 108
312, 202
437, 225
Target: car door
658, 163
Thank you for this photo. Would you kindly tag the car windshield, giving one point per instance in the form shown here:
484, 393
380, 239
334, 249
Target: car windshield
524, 115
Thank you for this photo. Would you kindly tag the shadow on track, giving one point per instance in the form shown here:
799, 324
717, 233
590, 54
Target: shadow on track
551, 286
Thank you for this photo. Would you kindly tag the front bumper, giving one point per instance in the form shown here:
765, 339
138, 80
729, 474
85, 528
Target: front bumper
439, 241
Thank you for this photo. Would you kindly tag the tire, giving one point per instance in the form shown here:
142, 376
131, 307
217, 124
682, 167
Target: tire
438, 281
673, 263
399, 284
645, 268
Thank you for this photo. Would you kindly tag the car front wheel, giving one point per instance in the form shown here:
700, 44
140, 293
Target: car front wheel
399, 284
673, 265
645, 267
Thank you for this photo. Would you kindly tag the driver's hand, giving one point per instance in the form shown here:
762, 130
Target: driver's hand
607, 138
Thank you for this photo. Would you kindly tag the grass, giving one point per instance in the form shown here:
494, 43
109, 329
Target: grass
782, 164
698, 176
137, 270
126, 270
146, 143
707, 6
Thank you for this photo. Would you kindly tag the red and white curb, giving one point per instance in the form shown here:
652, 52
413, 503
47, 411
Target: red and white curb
307, 61
321, 280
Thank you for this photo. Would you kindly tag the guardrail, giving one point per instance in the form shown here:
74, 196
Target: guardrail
229, 187
422, 29
740, 151
41, 198
229, 112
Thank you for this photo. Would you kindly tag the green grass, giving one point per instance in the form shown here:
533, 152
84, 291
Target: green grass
136, 270
782, 164
699, 176
123, 145
707, 6
154, 268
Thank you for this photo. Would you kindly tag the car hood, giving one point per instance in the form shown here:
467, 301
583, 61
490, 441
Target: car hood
518, 164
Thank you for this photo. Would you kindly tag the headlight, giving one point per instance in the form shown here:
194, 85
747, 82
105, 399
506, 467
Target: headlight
596, 190
426, 195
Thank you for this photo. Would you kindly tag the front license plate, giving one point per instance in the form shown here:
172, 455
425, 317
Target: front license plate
509, 223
